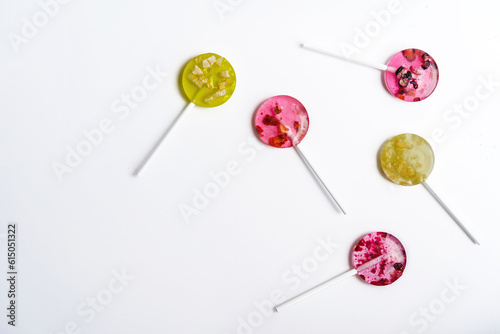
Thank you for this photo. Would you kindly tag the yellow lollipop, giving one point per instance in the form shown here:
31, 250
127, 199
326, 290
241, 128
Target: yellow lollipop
408, 159
208, 80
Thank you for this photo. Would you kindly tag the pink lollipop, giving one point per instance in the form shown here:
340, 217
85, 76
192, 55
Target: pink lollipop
374, 245
282, 121
411, 75
379, 258
416, 75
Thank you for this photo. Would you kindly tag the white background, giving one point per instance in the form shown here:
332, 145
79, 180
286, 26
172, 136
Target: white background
205, 276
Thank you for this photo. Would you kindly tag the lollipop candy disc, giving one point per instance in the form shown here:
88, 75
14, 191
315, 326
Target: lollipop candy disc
282, 121
387, 270
208, 80
379, 258
416, 75
407, 159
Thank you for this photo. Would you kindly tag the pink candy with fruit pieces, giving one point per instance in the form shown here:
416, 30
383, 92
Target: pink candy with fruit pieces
282, 121
416, 75
391, 264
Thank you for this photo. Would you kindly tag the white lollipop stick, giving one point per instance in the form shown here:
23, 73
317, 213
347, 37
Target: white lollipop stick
459, 223
330, 52
327, 284
315, 290
153, 152
319, 179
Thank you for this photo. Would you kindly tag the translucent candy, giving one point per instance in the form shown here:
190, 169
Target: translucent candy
208, 80
282, 121
391, 265
416, 75
407, 159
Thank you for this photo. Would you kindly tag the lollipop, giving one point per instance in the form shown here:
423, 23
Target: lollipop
379, 258
411, 75
208, 81
282, 121
407, 160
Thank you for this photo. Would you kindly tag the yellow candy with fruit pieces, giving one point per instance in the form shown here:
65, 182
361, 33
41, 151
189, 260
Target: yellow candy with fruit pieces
208, 80
407, 159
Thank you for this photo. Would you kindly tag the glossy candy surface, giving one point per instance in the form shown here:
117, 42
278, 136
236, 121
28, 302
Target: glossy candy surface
416, 75
407, 159
282, 121
208, 80
389, 268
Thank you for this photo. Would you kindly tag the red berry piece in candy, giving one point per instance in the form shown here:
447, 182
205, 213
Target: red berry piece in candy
270, 120
409, 54
259, 130
278, 141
